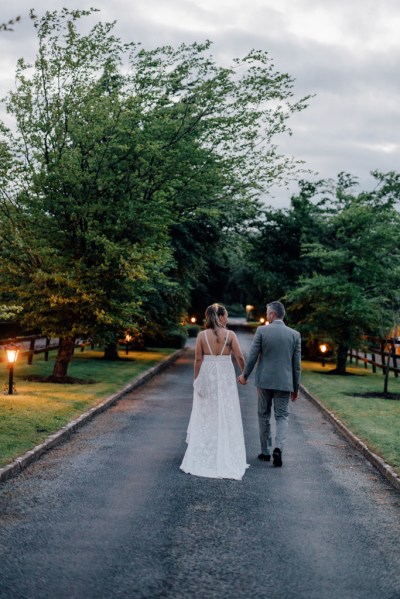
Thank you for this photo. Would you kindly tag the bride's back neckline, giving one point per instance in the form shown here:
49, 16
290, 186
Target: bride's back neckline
216, 354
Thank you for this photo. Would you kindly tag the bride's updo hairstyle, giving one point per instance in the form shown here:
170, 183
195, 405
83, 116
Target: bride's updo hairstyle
213, 314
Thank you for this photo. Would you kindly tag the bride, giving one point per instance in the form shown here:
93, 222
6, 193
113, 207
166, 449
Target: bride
215, 433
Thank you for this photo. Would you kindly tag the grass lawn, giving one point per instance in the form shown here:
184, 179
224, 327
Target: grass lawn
40, 409
375, 421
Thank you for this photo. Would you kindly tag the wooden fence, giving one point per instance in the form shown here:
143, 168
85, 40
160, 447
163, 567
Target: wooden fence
380, 353
34, 344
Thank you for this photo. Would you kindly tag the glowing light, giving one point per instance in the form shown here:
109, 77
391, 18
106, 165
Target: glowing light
12, 353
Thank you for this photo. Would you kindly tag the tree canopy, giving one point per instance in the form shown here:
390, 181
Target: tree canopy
124, 170
349, 287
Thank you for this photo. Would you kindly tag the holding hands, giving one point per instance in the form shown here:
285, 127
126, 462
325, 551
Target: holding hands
242, 380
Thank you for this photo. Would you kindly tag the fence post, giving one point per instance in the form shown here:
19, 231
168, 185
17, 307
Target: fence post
383, 358
373, 363
46, 353
394, 357
351, 356
387, 372
365, 361
31, 351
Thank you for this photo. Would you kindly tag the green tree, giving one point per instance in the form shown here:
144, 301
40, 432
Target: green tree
353, 289
117, 186
79, 247
272, 259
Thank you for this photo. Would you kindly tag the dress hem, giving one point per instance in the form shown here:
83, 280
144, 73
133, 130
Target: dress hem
213, 475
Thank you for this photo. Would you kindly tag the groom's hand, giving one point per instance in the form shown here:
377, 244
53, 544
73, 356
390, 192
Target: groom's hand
242, 380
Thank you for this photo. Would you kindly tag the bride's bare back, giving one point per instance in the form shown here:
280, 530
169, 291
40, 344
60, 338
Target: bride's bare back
219, 340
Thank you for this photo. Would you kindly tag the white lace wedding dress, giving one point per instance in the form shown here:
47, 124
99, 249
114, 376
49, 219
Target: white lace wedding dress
215, 433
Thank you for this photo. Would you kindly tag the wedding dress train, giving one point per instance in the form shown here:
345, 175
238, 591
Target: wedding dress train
215, 433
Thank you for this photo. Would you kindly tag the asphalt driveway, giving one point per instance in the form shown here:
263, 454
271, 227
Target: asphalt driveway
109, 514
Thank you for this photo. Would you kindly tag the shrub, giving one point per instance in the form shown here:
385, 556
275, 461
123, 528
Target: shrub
175, 338
192, 329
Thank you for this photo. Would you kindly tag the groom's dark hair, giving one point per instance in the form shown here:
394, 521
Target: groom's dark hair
278, 308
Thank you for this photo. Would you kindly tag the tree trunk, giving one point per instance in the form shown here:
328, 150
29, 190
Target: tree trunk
111, 351
64, 355
341, 359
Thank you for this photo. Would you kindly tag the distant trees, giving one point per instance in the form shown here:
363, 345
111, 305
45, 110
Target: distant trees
354, 286
117, 186
334, 258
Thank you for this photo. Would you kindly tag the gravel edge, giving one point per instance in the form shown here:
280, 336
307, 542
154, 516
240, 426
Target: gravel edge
20, 463
385, 469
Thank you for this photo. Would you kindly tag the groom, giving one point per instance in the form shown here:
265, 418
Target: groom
278, 351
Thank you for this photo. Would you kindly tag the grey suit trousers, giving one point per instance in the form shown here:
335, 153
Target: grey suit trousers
280, 400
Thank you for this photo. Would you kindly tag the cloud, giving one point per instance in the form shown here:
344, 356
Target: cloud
347, 53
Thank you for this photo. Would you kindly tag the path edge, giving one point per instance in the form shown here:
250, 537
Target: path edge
20, 463
385, 469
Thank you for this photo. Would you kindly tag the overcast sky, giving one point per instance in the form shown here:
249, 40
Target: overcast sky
347, 52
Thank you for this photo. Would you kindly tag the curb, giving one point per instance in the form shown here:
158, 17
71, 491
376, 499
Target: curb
66, 431
384, 468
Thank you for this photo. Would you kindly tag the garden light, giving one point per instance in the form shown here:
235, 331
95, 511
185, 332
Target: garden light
323, 348
12, 354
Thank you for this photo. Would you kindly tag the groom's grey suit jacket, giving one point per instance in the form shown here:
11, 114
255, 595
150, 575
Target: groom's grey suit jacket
278, 351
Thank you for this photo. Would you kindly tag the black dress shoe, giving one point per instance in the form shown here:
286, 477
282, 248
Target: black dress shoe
277, 457
264, 457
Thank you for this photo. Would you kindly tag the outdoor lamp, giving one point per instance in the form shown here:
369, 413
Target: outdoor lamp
193, 320
262, 320
323, 348
128, 339
249, 308
12, 354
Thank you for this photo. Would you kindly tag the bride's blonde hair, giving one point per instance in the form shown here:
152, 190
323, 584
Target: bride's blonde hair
213, 314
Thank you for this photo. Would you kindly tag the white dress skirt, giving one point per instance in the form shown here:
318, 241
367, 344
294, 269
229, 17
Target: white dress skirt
215, 433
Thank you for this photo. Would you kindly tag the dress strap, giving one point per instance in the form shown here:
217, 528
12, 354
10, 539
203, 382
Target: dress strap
226, 339
205, 335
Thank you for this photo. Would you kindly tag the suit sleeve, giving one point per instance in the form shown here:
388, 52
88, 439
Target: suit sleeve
296, 363
255, 351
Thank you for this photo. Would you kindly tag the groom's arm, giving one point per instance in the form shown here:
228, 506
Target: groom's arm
253, 355
296, 367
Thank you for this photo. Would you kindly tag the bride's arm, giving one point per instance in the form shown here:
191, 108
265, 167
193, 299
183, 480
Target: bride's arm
198, 356
237, 352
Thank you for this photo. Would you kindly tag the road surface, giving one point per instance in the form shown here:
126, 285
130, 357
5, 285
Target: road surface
110, 515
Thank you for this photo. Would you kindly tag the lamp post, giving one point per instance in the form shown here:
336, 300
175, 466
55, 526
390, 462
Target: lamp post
128, 339
12, 354
323, 348
249, 309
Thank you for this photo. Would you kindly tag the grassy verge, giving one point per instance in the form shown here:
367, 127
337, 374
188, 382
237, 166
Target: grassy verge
375, 421
39, 409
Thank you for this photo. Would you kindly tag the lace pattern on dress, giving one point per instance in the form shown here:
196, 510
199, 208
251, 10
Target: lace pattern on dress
215, 433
